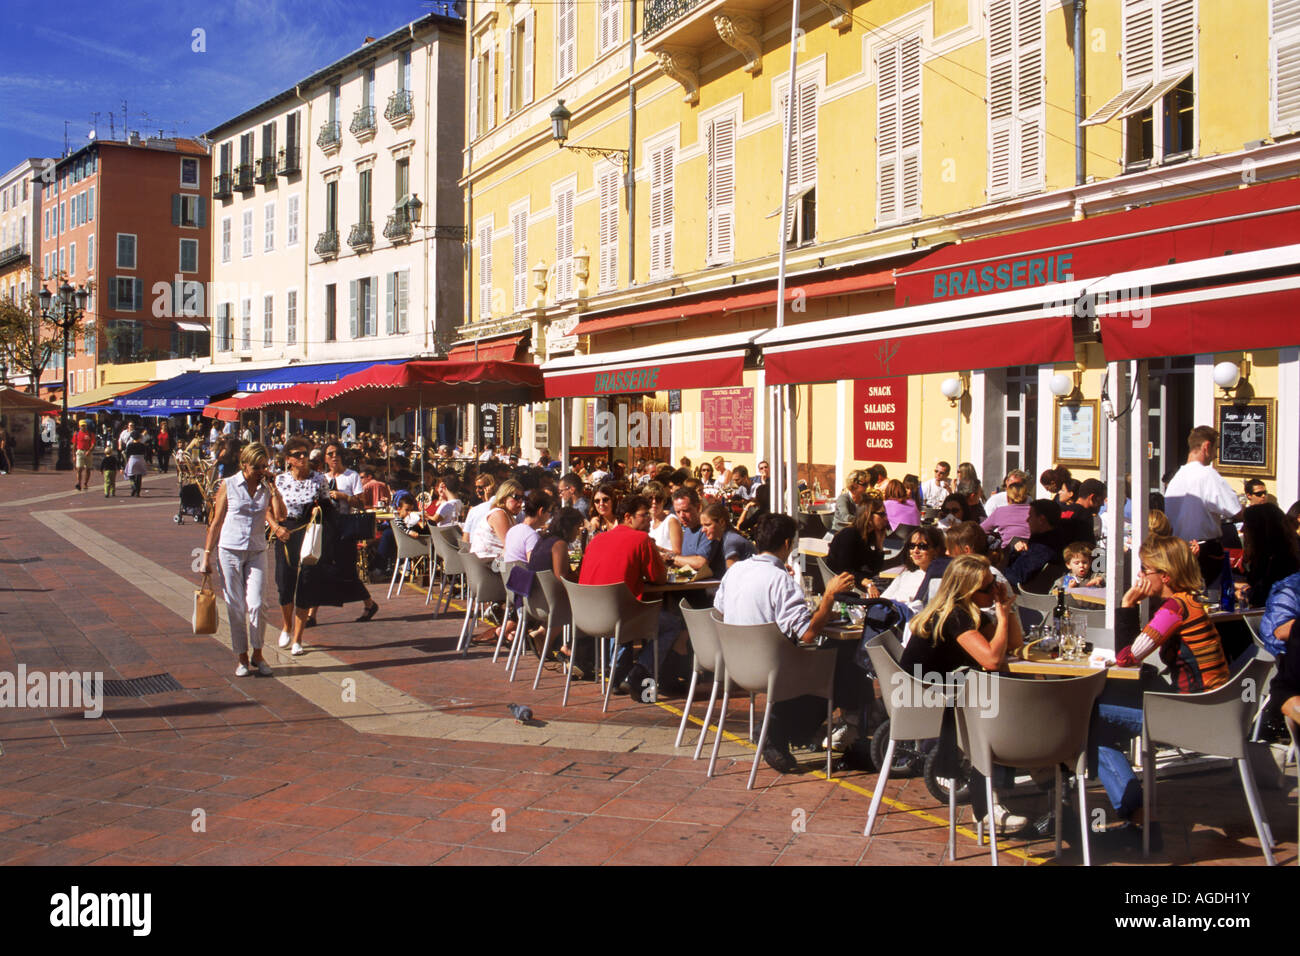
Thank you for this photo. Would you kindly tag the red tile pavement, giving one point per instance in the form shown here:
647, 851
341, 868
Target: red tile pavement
278, 780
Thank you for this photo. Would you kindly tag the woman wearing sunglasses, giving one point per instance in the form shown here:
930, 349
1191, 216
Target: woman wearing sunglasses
300, 490
602, 510
860, 548
923, 546
489, 536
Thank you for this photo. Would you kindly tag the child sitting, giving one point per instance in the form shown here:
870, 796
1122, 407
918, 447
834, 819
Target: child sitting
1078, 561
110, 466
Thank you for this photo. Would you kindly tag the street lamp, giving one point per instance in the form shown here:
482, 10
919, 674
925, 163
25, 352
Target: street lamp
64, 314
560, 120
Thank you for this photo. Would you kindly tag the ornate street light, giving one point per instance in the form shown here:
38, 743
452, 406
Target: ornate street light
64, 314
561, 119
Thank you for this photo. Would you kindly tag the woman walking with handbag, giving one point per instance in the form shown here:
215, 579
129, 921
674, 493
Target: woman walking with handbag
300, 491
341, 552
239, 520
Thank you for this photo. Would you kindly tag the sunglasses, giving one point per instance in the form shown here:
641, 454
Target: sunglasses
297, 454
516, 497
1257, 494
918, 546
952, 511
602, 499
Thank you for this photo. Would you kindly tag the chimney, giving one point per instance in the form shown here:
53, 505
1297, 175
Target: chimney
367, 41
134, 137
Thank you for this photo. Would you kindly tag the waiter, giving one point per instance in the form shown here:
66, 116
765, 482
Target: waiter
1198, 500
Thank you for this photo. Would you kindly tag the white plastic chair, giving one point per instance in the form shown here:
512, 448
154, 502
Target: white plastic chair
409, 551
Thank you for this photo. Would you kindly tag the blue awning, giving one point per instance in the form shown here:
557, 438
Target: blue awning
323, 373
187, 392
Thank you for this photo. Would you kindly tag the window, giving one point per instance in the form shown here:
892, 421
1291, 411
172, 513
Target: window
223, 327
63, 259
562, 202
721, 189
363, 195
1020, 411
898, 126
188, 211
268, 145
334, 103
291, 221
90, 253
368, 87
291, 317
518, 90
268, 227
189, 172
1284, 68
188, 299
226, 165
485, 268
247, 224
331, 313
90, 204
610, 27
189, 255
332, 206
402, 181
803, 171
482, 92
125, 293
361, 307
519, 245
63, 218
1016, 77
246, 149
566, 40
225, 239
72, 258
125, 250
607, 185
404, 70
268, 321
246, 326
396, 291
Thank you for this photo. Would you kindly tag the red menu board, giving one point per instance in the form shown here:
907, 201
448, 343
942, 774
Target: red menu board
728, 420
880, 419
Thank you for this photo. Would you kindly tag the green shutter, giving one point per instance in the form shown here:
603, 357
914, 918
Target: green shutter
137, 298
201, 211
176, 209
112, 293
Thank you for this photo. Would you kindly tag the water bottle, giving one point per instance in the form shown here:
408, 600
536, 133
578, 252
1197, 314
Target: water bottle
1227, 596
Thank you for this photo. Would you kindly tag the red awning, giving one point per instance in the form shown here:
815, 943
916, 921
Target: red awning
224, 410
497, 350
12, 400
722, 302
704, 371
279, 399
400, 387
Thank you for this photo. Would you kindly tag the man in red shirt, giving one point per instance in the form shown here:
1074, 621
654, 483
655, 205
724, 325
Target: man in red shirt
625, 553
83, 441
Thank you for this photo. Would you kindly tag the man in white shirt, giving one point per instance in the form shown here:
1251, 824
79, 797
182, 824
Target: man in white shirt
939, 487
998, 500
597, 476
1198, 500
759, 590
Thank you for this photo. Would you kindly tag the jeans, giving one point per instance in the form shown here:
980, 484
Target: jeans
1113, 727
671, 624
242, 575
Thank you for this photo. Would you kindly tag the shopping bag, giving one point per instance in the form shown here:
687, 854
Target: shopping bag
312, 539
204, 619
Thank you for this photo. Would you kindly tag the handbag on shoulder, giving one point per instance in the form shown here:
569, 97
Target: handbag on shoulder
312, 539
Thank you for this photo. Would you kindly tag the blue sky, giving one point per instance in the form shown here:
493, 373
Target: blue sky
69, 61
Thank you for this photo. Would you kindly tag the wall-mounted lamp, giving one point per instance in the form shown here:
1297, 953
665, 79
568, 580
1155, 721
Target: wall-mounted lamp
561, 118
1068, 388
1229, 375
955, 389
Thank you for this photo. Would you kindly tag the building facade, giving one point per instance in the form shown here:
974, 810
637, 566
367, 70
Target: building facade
337, 230
20, 210
920, 131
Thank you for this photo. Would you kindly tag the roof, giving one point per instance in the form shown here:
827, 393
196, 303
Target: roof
180, 144
365, 51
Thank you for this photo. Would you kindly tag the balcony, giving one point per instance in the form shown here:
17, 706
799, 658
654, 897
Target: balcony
264, 171
363, 123
659, 13
223, 186
330, 137
362, 236
398, 229
679, 32
290, 161
244, 177
17, 253
399, 110
327, 244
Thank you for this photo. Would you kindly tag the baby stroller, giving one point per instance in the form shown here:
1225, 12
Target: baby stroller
192, 478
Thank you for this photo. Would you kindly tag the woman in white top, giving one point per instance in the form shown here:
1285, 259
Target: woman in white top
665, 529
708, 481
923, 546
447, 510
241, 512
489, 536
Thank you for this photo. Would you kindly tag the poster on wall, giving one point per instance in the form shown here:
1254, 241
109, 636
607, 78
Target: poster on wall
1246, 436
727, 420
880, 419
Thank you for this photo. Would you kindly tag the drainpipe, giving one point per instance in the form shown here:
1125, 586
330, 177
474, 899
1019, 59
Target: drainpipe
305, 214
431, 195
1080, 133
629, 186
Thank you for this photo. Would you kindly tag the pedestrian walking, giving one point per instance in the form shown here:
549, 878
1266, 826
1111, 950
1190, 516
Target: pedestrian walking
136, 468
164, 445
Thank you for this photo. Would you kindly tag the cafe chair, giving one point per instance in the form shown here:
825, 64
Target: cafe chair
1044, 604
707, 651
1213, 722
759, 658
826, 574
912, 716
409, 552
484, 587
602, 611
1029, 723
446, 545
1294, 730
507, 612
548, 602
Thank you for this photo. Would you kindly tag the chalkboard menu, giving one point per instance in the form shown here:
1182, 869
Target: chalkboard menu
1247, 436
674, 400
728, 420
489, 422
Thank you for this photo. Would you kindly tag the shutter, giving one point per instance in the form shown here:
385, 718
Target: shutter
90, 205
661, 211
1284, 70
508, 74
176, 209
372, 311
403, 292
909, 115
1029, 95
806, 118
200, 211
566, 26
112, 292
485, 268
473, 98
530, 33
390, 304
490, 101
1001, 97
352, 308
137, 294
519, 230
1139, 42
887, 133
564, 244
722, 186
1177, 37
609, 229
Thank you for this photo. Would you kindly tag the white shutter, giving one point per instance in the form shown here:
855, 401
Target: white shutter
609, 229
910, 126
485, 268
1284, 67
390, 303
566, 40
806, 124
722, 189
352, 308
372, 313
611, 27
519, 237
1177, 37
1001, 97
530, 33
1139, 42
473, 98
661, 211
403, 295
490, 100
1030, 77
887, 133
508, 74
563, 245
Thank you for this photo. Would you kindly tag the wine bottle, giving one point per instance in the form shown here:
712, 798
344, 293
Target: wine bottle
1227, 592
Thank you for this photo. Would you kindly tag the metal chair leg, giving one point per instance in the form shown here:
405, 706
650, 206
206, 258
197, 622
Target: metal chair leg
708, 716
762, 739
722, 719
546, 649
686, 708
1256, 809
1081, 786
881, 782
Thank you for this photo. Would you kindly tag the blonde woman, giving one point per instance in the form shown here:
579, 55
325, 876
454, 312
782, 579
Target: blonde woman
846, 505
489, 537
240, 515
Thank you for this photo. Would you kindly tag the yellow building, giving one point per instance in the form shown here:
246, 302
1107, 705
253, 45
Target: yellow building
1021, 196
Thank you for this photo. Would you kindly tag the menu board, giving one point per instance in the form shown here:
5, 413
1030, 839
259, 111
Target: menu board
880, 419
728, 420
1246, 436
488, 425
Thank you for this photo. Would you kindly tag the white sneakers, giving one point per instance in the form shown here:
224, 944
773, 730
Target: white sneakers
264, 668
242, 670
1008, 822
285, 638
297, 650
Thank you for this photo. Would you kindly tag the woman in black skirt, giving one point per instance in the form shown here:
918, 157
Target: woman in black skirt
302, 491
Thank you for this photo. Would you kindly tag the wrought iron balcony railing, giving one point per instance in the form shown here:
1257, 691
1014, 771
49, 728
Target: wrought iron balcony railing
330, 135
659, 13
397, 226
14, 253
363, 121
327, 244
265, 170
362, 235
223, 186
399, 107
290, 161
244, 176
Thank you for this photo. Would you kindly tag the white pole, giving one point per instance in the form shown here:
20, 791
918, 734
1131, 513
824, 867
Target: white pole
1112, 526
1141, 491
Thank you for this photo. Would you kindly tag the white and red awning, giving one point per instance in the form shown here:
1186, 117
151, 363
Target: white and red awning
711, 362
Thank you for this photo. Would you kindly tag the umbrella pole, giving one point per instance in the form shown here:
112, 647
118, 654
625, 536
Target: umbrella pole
419, 431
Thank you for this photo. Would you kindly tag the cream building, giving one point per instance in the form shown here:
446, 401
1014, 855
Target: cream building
20, 211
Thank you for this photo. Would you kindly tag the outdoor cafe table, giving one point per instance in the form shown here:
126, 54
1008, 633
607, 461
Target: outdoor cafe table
699, 584
1095, 596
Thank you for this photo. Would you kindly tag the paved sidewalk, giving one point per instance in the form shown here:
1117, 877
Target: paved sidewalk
381, 745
